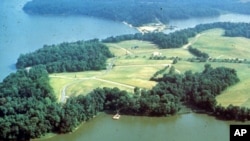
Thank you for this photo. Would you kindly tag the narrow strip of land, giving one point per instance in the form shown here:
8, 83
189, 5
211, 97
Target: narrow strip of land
192, 42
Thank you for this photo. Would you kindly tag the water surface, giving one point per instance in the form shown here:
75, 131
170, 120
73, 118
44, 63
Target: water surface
186, 127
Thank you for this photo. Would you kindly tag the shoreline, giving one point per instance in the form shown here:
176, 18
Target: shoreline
51, 135
151, 27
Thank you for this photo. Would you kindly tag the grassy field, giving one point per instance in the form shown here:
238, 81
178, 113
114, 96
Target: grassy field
58, 83
59, 80
133, 75
218, 46
145, 49
132, 67
86, 86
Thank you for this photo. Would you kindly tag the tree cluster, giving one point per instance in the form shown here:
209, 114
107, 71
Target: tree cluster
232, 113
240, 30
28, 107
199, 89
172, 40
156, 74
68, 57
136, 12
201, 55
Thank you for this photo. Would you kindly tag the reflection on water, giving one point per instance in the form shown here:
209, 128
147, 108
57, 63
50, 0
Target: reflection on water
189, 127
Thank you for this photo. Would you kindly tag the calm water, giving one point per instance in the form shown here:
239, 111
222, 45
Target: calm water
187, 127
21, 33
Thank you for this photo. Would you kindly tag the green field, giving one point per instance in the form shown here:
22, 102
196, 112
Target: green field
133, 68
145, 49
86, 86
218, 46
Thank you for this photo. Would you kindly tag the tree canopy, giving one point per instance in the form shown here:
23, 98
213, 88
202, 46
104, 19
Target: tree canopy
68, 57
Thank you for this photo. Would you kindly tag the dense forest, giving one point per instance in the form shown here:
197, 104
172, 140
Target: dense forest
68, 57
136, 12
179, 38
28, 108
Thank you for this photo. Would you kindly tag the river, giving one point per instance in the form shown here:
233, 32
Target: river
21, 33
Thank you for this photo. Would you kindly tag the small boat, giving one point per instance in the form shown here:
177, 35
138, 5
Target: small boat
116, 116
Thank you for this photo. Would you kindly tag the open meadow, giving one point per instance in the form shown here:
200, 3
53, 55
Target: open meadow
132, 66
218, 46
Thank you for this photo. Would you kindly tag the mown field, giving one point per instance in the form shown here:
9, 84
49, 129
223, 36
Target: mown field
218, 46
133, 68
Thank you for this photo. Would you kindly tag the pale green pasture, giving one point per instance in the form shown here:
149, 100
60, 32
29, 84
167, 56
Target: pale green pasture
132, 60
238, 94
134, 75
76, 75
58, 83
183, 66
145, 49
59, 80
126, 47
218, 46
86, 86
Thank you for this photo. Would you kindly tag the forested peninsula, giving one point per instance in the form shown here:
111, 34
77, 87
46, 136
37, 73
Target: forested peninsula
29, 109
137, 12
68, 57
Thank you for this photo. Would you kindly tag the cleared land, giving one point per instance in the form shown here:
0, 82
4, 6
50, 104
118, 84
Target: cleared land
218, 46
133, 68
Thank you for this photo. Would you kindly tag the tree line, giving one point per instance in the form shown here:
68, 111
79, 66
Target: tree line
202, 56
136, 12
198, 89
68, 57
179, 38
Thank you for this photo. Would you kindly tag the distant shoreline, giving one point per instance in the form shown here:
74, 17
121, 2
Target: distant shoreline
151, 27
